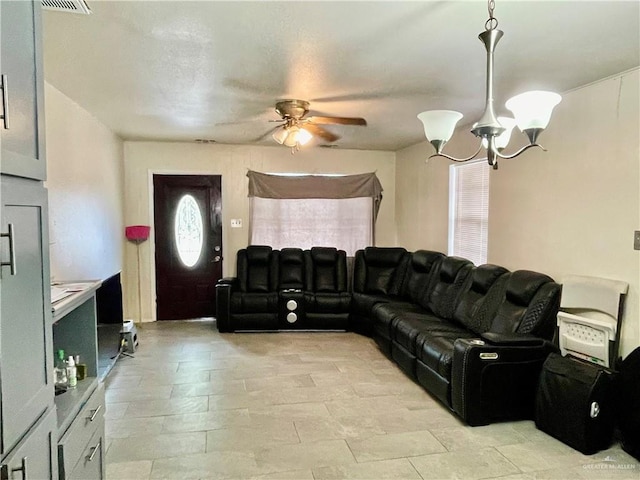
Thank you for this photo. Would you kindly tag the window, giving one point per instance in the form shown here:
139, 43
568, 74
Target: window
188, 231
469, 210
346, 223
313, 210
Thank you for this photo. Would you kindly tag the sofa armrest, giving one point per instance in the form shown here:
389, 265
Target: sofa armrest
496, 379
224, 288
233, 281
511, 339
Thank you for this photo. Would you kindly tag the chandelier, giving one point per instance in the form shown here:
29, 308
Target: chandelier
532, 112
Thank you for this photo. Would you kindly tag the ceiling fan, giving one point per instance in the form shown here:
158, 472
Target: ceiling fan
295, 129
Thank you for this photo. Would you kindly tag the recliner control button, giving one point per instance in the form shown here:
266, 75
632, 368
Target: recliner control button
488, 356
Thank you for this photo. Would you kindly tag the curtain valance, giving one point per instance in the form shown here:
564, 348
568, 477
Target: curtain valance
314, 186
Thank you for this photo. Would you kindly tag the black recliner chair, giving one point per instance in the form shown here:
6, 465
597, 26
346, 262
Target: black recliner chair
377, 277
326, 298
249, 301
495, 378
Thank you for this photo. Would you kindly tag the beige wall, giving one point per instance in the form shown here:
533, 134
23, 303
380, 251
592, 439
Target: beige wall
142, 159
571, 210
85, 182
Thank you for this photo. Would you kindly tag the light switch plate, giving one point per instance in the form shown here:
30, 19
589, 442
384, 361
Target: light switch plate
636, 240
236, 223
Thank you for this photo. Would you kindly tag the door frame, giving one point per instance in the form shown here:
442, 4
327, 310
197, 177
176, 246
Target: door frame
152, 237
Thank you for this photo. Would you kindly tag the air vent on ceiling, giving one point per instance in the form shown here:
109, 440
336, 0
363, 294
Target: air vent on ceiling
71, 6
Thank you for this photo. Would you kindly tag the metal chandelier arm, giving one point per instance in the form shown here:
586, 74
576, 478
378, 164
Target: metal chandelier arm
454, 159
523, 149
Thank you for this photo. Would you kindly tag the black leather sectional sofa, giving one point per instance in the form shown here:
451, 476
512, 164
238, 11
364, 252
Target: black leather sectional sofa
285, 289
474, 337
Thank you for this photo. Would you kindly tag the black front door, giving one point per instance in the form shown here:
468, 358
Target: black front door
188, 235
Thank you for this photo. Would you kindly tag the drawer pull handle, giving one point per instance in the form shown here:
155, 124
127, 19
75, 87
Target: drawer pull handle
12, 249
5, 102
94, 450
23, 469
95, 412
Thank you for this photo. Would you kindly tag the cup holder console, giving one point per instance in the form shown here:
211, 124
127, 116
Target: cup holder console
291, 308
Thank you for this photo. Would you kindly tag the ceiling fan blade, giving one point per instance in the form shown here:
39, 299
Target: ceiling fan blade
266, 134
320, 132
337, 120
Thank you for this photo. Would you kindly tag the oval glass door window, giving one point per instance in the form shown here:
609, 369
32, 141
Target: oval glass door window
189, 233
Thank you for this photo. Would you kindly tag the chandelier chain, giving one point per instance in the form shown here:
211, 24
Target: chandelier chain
492, 22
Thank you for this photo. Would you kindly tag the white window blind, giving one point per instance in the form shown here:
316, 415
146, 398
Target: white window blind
469, 210
345, 223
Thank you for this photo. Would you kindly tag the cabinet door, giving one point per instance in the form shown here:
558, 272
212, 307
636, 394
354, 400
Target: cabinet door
35, 457
26, 383
23, 150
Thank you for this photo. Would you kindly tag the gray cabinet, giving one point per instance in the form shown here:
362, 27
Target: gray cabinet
22, 128
28, 424
35, 456
80, 410
81, 448
26, 377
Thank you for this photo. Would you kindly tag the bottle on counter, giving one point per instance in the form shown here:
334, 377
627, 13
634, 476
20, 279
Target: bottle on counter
72, 372
81, 368
61, 379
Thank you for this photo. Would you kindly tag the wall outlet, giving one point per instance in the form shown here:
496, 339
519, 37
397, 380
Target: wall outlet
636, 240
236, 223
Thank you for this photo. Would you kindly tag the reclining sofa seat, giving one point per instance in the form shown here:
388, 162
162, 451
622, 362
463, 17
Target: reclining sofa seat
327, 298
419, 275
495, 378
439, 304
377, 277
475, 308
249, 301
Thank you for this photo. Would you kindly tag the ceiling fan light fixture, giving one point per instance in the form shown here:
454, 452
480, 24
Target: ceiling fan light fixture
280, 135
291, 139
304, 136
298, 130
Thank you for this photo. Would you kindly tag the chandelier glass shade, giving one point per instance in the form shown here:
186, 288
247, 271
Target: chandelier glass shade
532, 112
533, 109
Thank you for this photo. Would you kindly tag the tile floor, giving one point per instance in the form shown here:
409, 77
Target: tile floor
194, 404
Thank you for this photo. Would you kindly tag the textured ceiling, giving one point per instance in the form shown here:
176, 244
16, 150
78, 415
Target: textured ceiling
177, 70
